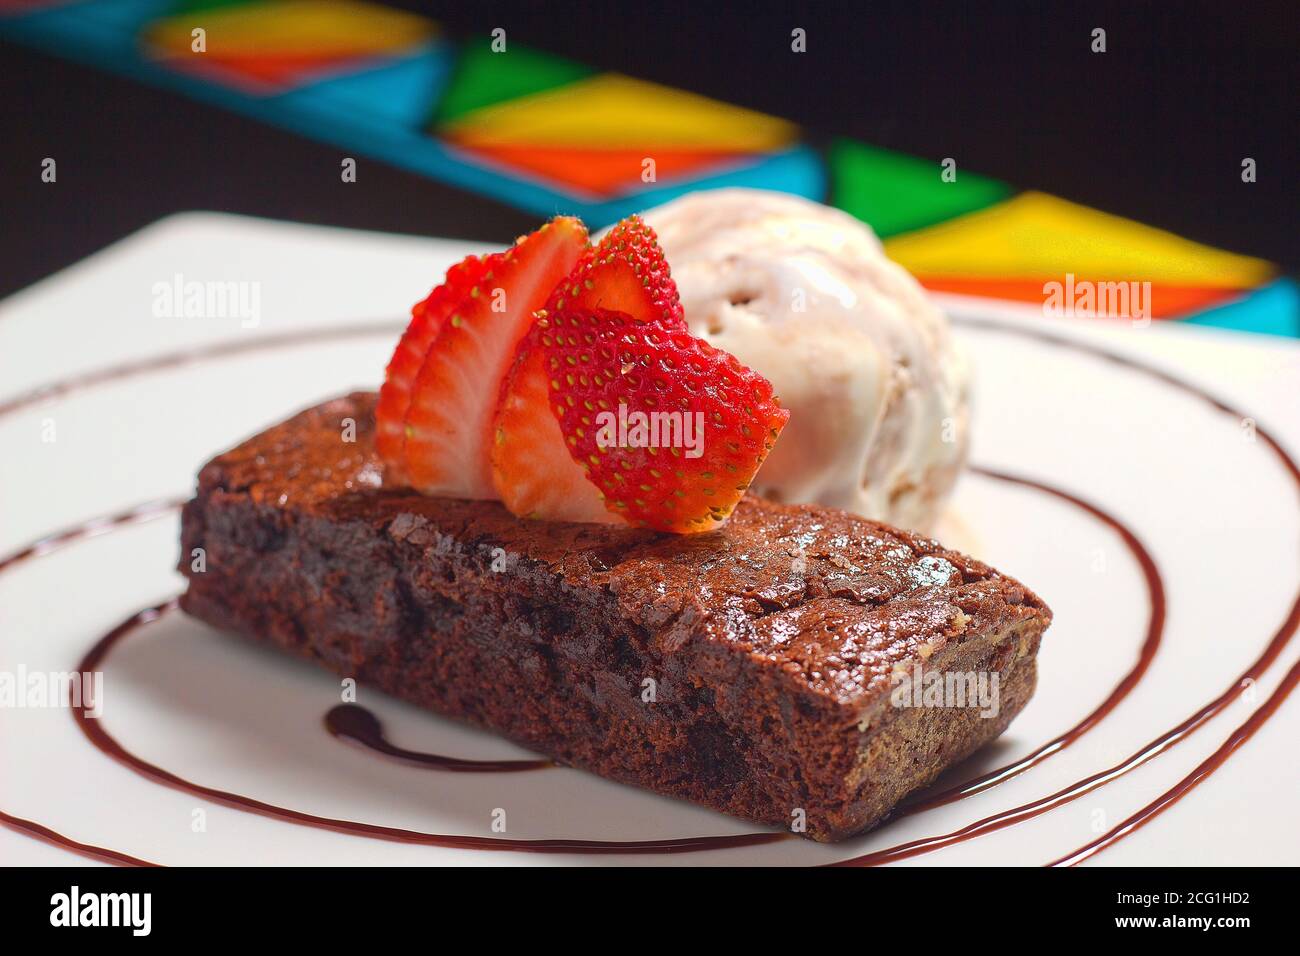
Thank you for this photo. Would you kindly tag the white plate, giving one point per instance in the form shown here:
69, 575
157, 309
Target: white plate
1216, 510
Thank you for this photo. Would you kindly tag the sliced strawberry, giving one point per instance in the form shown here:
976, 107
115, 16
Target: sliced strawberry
667, 428
532, 470
427, 319
448, 424
625, 272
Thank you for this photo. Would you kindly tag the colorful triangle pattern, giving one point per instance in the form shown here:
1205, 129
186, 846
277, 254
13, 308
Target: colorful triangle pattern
894, 192
485, 78
398, 91
544, 132
1036, 234
278, 45
595, 171
601, 135
619, 112
1012, 249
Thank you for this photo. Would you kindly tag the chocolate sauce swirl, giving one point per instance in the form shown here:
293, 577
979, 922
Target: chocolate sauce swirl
355, 723
361, 727
358, 728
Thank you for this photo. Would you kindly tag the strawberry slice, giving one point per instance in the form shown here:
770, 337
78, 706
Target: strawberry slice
657, 426
448, 424
427, 319
532, 471
625, 272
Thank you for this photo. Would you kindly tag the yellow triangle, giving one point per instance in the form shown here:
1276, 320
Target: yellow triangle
616, 111
1036, 235
321, 28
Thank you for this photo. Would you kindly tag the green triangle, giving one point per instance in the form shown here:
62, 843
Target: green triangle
483, 77
894, 192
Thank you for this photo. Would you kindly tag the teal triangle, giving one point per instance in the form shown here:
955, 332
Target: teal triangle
401, 91
1273, 309
127, 15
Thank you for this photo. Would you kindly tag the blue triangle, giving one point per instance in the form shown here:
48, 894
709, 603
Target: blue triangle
401, 91
126, 15
1273, 309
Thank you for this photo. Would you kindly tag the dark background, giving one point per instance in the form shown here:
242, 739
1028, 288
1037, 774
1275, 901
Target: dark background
1154, 129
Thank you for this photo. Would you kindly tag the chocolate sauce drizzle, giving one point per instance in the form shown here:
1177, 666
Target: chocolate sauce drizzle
1164, 741
159, 363
1150, 644
361, 727
43, 833
107, 744
1213, 762
1153, 748
358, 726
355, 723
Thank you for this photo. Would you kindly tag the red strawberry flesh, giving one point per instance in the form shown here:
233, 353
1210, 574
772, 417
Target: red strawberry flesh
448, 424
427, 318
668, 428
625, 272
532, 470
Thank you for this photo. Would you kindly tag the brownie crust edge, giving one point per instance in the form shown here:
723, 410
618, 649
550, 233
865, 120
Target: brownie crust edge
768, 649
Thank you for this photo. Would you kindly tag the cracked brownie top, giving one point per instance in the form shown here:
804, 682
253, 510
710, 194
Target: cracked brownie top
831, 599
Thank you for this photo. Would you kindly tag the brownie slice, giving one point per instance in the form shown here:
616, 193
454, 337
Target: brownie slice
750, 669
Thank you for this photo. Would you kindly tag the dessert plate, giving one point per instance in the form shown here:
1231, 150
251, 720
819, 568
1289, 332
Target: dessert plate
1160, 526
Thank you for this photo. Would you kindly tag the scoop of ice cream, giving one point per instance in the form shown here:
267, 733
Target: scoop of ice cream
804, 294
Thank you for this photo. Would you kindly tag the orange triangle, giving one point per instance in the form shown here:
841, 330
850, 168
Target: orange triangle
1167, 301
602, 172
264, 74
282, 68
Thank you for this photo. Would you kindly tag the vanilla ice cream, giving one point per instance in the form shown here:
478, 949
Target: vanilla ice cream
876, 388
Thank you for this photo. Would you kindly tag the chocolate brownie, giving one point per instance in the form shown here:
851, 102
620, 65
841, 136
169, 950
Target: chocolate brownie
751, 669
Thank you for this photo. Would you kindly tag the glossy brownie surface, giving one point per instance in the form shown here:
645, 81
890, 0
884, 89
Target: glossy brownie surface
774, 642
834, 600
